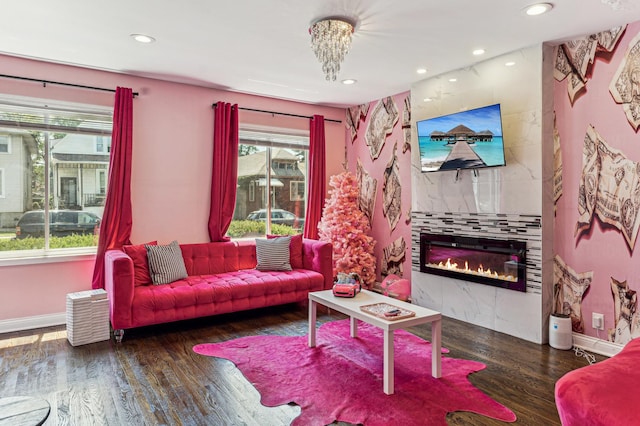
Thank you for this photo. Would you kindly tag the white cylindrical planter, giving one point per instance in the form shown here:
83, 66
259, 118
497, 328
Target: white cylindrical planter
560, 333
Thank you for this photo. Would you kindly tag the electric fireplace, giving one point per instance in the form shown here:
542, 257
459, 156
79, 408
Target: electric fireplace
500, 263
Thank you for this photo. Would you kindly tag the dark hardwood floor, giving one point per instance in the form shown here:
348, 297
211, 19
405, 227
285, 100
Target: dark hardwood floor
155, 378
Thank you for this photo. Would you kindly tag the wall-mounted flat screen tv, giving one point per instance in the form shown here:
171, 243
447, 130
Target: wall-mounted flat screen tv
464, 140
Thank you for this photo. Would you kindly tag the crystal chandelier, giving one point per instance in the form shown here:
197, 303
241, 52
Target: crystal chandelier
330, 41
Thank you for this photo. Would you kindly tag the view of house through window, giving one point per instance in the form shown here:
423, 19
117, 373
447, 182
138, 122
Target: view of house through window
54, 161
272, 176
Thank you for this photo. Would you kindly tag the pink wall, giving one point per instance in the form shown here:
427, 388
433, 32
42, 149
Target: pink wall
173, 130
603, 249
358, 149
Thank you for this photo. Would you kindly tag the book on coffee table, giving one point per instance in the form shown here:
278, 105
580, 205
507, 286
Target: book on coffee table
387, 311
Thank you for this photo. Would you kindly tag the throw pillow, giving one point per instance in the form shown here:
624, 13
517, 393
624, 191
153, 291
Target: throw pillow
295, 250
273, 255
166, 264
138, 253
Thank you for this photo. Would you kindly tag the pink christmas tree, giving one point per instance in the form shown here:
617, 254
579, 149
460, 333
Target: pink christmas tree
345, 226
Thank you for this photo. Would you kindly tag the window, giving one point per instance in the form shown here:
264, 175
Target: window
296, 190
5, 144
101, 177
269, 160
252, 191
103, 145
62, 170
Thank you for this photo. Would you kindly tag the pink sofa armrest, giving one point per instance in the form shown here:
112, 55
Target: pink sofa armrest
318, 256
599, 394
119, 285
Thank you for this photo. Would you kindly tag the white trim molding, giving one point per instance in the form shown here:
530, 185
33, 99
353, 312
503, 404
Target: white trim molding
28, 323
599, 346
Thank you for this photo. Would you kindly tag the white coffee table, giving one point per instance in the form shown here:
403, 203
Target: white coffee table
351, 307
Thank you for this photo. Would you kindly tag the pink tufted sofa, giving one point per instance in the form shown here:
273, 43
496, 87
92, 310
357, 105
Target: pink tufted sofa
221, 279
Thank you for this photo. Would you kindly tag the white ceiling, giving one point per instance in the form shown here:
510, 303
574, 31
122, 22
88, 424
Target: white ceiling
262, 46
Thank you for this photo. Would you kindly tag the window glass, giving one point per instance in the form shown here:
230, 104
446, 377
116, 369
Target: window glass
252, 191
30, 218
65, 217
103, 144
5, 144
102, 181
297, 190
86, 218
53, 165
268, 162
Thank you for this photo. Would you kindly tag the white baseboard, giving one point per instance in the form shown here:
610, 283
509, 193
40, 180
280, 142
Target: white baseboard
591, 344
28, 323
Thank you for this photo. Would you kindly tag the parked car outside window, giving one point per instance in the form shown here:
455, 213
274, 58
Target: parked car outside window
61, 223
278, 216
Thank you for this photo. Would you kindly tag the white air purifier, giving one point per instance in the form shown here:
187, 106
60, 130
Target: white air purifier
560, 333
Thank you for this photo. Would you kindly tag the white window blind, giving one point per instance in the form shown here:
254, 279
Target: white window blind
49, 117
274, 140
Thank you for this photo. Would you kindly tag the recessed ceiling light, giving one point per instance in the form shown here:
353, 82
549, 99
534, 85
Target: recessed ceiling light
538, 9
349, 81
143, 38
509, 64
478, 52
427, 99
453, 80
421, 70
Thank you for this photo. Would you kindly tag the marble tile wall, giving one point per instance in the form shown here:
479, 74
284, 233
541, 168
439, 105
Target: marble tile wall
501, 202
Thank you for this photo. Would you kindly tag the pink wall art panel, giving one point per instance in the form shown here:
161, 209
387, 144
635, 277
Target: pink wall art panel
597, 182
378, 151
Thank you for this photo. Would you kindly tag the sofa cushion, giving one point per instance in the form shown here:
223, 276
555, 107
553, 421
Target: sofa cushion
202, 295
273, 255
295, 250
165, 263
211, 258
138, 254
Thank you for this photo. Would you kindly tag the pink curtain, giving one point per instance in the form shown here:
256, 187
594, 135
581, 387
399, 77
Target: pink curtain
317, 180
115, 227
224, 176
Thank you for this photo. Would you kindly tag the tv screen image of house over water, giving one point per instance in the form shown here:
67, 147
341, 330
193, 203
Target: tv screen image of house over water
463, 140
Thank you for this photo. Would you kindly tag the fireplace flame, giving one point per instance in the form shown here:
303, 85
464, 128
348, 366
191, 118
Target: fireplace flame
453, 266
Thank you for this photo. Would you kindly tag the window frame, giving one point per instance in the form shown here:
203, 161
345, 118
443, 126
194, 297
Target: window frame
48, 117
270, 138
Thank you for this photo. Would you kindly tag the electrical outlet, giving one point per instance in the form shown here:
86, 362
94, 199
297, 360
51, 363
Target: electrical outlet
597, 321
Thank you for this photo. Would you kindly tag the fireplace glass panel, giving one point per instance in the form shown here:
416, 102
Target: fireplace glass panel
495, 262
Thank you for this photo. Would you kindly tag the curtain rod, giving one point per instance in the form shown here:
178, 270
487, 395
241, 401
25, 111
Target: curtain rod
45, 82
282, 113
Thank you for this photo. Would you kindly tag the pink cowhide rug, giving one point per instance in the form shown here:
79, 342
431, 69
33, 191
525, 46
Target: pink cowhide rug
341, 378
